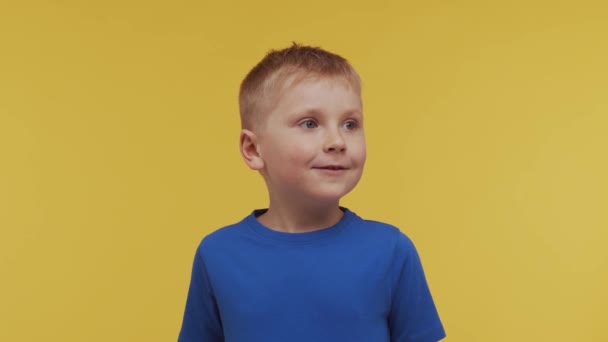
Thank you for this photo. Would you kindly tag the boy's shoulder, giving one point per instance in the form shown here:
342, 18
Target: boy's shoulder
225, 234
389, 231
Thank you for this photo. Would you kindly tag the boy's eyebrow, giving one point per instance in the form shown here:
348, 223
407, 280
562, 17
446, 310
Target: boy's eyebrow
311, 111
315, 111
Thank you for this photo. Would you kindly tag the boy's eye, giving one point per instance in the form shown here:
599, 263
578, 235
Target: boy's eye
350, 125
308, 124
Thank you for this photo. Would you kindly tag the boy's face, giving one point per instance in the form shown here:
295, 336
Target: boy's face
312, 142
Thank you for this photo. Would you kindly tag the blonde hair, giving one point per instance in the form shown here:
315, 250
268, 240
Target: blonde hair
262, 86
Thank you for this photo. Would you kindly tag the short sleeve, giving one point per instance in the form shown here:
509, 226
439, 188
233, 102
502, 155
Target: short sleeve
413, 316
201, 322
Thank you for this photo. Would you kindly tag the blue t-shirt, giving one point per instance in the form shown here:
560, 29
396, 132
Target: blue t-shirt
358, 280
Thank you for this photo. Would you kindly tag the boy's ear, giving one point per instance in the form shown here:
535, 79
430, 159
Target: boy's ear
250, 151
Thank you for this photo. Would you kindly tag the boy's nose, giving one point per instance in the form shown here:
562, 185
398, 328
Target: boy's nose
334, 142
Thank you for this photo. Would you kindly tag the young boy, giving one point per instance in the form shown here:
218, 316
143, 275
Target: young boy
306, 269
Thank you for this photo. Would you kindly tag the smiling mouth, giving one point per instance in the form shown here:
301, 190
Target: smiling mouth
330, 167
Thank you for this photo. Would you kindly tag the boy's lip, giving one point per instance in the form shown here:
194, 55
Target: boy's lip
331, 167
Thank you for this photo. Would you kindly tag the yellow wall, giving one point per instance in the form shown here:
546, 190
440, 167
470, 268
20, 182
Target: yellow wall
487, 129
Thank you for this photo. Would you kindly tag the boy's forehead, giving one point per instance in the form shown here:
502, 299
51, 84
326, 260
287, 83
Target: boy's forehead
308, 82
311, 91
305, 85
304, 79
282, 85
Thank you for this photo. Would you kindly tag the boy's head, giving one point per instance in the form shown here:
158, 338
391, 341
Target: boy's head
264, 84
302, 125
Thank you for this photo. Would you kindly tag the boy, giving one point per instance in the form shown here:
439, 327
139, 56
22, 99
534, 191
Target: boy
306, 268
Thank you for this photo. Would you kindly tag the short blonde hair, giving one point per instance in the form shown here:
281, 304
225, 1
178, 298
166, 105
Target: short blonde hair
262, 86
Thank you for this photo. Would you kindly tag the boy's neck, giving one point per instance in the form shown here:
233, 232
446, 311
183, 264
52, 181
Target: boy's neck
300, 219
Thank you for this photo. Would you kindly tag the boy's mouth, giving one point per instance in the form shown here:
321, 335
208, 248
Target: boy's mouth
330, 167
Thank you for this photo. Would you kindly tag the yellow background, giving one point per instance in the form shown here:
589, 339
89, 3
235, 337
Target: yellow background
487, 134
